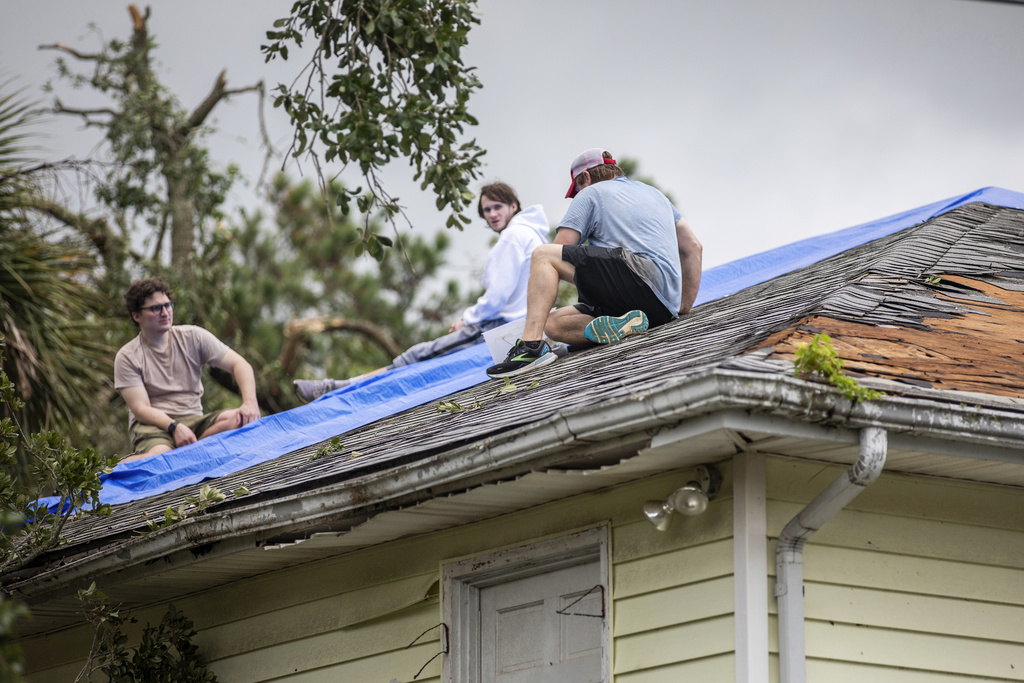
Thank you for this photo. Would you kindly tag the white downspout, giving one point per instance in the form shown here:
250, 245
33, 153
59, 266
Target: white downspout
789, 583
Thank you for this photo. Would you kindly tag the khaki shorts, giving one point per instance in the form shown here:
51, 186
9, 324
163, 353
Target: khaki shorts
145, 437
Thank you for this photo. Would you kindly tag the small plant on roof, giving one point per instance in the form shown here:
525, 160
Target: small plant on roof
819, 356
193, 505
330, 448
206, 497
510, 388
454, 407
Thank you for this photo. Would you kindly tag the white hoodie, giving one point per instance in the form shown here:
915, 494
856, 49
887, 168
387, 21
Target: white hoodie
507, 269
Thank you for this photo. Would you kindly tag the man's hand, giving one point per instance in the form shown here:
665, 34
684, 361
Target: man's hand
457, 325
248, 412
183, 436
238, 417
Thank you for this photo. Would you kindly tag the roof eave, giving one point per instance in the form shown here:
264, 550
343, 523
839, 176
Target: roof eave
995, 434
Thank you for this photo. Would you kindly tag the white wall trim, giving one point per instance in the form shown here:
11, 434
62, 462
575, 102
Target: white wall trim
750, 567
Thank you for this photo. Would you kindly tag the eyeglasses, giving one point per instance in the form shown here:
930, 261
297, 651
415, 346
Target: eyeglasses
159, 308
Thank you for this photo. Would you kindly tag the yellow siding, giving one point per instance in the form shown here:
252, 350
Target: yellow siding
716, 668
683, 642
842, 672
699, 601
673, 593
918, 580
351, 617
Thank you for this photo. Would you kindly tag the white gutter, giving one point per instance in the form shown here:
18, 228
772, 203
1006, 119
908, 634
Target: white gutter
789, 584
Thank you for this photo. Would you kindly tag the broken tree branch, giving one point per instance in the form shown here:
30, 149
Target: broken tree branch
298, 332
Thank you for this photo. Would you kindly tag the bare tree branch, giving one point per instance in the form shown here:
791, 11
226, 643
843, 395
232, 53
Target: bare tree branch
59, 108
84, 56
46, 166
138, 19
206, 106
217, 93
96, 230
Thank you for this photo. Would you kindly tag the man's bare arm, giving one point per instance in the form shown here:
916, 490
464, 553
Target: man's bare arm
137, 399
690, 251
245, 378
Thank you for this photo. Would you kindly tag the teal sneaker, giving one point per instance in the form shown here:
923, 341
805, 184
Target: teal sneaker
608, 330
523, 357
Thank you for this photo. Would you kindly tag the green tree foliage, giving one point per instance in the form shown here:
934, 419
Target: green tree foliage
51, 315
294, 299
160, 172
54, 327
54, 468
265, 287
385, 80
165, 653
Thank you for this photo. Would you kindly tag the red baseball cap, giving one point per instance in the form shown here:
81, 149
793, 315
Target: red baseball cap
587, 159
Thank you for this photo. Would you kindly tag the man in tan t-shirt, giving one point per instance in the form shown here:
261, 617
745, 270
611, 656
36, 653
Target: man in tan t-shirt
158, 375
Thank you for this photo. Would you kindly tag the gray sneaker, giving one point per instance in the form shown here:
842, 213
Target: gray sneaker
312, 389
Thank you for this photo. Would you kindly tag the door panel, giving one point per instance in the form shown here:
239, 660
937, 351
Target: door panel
523, 637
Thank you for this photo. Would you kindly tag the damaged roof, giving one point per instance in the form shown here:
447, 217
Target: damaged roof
933, 313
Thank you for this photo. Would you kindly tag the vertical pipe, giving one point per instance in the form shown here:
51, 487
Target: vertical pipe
789, 582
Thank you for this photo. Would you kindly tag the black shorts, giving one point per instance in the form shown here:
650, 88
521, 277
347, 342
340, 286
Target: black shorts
608, 286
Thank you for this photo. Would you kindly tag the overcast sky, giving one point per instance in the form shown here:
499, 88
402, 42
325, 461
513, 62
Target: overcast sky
767, 121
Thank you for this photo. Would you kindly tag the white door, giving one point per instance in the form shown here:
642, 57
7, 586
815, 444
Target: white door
525, 639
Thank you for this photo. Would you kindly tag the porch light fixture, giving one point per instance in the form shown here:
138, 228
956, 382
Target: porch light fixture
691, 499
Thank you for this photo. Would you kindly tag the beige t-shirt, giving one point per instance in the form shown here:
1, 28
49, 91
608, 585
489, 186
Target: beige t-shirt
172, 376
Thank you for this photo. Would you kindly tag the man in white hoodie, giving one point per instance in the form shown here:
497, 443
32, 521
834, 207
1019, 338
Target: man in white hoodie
505, 278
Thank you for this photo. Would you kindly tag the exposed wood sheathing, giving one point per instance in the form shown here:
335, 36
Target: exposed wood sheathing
977, 347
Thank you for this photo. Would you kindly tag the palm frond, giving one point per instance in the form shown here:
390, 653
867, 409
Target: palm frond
49, 313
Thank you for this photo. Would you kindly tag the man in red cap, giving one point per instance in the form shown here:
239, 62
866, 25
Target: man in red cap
634, 259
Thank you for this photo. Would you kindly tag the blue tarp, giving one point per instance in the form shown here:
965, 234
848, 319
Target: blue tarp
730, 278
386, 394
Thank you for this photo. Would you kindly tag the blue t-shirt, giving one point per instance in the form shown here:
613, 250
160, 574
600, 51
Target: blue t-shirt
626, 213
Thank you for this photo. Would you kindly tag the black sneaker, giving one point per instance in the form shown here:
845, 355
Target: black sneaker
523, 357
